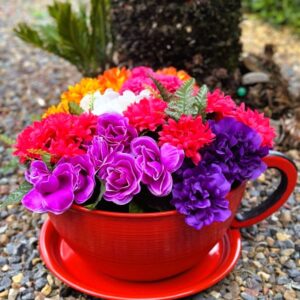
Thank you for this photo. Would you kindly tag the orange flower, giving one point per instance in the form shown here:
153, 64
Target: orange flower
62, 107
76, 92
182, 75
113, 78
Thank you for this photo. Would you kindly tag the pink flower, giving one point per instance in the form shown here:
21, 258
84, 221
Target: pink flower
219, 103
147, 114
189, 134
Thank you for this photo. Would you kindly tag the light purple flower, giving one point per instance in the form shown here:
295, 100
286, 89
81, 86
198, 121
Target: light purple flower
116, 131
100, 154
156, 164
53, 193
84, 180
38, 171
122, 180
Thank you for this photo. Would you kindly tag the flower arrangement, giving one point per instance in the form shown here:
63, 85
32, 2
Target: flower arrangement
141, 140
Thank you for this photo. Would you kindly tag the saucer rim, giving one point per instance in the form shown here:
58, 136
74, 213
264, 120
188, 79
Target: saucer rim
231, 237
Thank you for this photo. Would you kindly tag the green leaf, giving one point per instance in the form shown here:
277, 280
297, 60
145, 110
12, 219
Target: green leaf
94, 205
201, 100
164, 93
6, 140
10, 167
75, 109
134, 208
46, 158
184, 102
17, 195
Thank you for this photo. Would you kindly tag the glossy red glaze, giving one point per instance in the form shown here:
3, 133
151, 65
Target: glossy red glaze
140, 247
72, 269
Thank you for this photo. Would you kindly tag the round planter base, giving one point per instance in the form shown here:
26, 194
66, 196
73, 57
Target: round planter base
70, 268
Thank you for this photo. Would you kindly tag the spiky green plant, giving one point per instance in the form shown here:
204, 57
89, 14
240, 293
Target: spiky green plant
82, 38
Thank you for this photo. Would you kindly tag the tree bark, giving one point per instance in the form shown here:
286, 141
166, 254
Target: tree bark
200, 36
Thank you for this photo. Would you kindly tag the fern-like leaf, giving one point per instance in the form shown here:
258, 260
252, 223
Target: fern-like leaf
164, 93
17, 195
201, 100
183, 102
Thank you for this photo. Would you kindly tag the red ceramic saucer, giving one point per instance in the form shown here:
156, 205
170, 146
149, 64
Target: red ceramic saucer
72, 270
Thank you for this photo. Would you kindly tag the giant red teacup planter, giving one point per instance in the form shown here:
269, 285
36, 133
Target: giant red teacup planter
142, 173
153, 246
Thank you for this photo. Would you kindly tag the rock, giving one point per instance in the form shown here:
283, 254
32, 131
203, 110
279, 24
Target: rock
290, 295
5, 283
278, 296
46, 290
254, 78
40, 283
215, 294
246, 296
5, 268
281, 236
50, 280
4, 294
287, 252
282, 280
285, 217
270, 241
12, 294
293, 273
264, 275
17, 278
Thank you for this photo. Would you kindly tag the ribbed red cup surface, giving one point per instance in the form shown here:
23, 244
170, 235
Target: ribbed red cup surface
140, 247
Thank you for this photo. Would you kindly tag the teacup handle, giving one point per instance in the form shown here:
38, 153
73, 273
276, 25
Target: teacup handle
288, 171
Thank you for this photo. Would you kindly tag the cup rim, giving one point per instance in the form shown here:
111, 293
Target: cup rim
173, 212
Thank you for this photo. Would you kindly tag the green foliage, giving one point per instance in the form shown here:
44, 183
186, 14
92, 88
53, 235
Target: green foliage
75, 109
83, 39
185, 103
135, 208
17, 195
10, 166
278, 12
6, 140
164, 93
93, 206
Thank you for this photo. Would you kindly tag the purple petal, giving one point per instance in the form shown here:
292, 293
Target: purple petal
171, 157
163, 186
34, 201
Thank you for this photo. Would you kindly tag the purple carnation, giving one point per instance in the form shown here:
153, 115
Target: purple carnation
116, 131
236, 149
122, 179
54, 192
156, 164
199, 193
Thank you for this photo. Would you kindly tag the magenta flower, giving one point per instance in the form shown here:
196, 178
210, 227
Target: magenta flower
122, 179
116, 131
100, 154
84, 172
54, 192
156, 164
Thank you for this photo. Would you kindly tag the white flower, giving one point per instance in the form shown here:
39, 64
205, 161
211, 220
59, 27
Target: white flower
110, 101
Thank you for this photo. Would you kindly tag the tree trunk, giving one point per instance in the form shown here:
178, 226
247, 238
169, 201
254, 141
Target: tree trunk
201, 36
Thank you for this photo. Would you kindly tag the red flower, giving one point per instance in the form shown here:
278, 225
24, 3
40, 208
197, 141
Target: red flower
257, 121
60, 135
147, 114
218, 103
189, 134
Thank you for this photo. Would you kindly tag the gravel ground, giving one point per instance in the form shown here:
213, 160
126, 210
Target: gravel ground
269, 267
